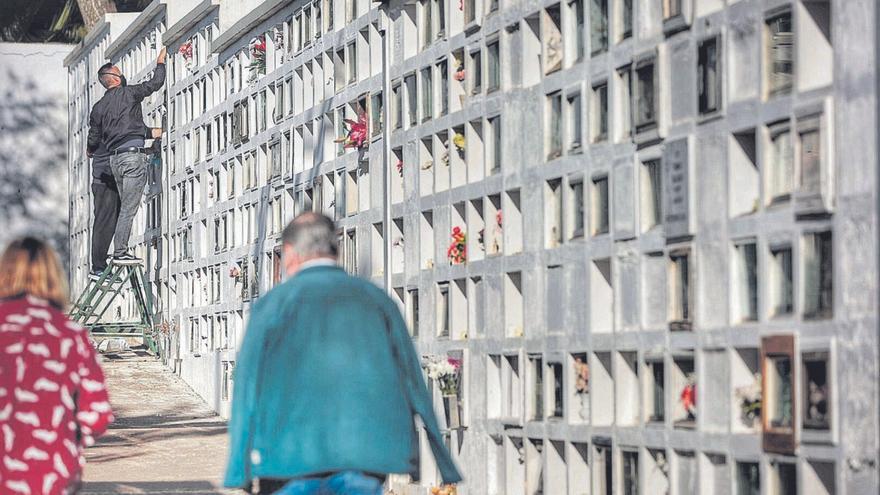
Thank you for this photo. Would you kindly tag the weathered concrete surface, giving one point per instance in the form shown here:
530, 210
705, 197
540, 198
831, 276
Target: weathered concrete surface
33, 144
165, 439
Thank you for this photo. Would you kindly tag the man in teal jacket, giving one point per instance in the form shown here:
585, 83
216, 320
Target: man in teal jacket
327, 381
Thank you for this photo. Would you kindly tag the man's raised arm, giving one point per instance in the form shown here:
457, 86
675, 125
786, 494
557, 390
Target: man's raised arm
147, 88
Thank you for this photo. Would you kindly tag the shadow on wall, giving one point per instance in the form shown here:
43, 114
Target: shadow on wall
33, 162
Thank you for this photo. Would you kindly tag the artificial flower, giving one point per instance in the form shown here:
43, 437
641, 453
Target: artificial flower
445, 371
689, 399
457, 251
582, 376
355, 133
458, 141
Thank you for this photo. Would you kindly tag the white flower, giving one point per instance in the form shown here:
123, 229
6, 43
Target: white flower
751, 392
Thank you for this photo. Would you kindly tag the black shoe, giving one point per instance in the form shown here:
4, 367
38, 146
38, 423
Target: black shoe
126, 259
95, 277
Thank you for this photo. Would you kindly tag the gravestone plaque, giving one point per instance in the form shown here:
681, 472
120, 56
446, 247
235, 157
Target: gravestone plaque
623, 196
676, 190
629, 290
555, 294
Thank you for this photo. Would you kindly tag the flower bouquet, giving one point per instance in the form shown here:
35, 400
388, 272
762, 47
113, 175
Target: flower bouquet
457, 251
750, 400
257, 47
582, 386
447, 373
582, 376
356, 134
459, 141
444, 490
186, 51
688, 398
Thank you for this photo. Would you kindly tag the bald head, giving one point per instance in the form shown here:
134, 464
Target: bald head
307, 237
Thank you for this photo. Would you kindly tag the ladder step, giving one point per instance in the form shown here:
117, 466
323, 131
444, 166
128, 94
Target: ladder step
93, 303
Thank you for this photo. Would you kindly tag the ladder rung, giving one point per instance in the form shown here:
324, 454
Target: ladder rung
89, 309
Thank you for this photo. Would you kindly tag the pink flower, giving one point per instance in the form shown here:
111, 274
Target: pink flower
186, 50
258, 44
356, 132
457, 251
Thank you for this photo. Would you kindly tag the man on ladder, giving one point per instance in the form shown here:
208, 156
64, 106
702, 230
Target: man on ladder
116, 125
105, 194
116, 122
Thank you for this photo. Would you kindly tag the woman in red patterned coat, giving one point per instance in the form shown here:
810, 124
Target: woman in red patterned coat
53, 401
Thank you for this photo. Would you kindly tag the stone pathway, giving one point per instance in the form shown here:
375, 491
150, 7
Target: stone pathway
165, 439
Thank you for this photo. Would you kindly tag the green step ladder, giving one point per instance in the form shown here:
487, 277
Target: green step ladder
98, 296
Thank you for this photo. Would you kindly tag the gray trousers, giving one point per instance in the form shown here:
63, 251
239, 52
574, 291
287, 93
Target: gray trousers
130, 171
106, 197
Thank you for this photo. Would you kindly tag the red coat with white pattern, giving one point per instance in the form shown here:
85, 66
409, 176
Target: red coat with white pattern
53, 401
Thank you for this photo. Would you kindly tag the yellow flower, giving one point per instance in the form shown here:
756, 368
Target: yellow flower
458, 141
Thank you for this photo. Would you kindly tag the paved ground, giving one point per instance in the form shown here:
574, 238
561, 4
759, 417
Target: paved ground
165, 439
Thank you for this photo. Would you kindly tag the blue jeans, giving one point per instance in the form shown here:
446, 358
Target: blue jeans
344, 483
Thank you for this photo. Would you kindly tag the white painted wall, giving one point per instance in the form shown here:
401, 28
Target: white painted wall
33, 142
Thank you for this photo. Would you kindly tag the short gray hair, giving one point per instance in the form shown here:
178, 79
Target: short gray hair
311, 235
104, 73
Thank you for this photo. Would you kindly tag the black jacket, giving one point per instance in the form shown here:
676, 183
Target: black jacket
117, 117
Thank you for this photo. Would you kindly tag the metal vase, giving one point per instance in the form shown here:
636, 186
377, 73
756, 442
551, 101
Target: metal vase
451, 408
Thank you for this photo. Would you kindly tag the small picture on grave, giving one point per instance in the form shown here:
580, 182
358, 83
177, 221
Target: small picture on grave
815, 391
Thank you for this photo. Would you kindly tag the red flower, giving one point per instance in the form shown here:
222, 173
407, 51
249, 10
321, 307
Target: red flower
258, 44
186, 50
689, 397
457, 251
356, 133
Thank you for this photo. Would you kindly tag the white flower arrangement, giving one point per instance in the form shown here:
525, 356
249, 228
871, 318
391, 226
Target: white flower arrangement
750, 399
445, 371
